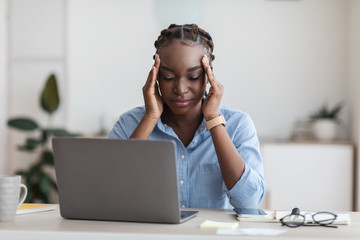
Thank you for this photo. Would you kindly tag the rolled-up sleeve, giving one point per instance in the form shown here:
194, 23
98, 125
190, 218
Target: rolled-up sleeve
249, 191
127, 123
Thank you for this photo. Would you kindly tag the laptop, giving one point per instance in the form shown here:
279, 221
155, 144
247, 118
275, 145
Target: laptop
118, 180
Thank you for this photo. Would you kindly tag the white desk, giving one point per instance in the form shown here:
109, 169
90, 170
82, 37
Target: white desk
50, 225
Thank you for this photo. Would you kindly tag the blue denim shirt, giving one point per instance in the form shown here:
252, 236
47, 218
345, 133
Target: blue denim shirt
200, 181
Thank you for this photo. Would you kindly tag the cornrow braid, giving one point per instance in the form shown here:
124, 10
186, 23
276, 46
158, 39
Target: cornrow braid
189, 32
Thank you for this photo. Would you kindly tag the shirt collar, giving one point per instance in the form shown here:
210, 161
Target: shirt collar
165, 128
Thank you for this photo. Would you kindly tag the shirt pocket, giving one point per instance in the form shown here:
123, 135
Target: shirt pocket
211, 181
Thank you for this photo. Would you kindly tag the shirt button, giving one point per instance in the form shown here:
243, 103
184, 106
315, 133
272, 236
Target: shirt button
195, 141
182, 156
183, 205
181, 182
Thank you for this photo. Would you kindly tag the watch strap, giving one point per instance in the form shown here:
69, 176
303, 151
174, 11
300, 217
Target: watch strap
215, 121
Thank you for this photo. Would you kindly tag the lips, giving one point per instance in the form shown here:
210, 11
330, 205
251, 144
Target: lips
181, 102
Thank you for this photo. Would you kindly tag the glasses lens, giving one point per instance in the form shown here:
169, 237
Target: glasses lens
324, 218
293, 220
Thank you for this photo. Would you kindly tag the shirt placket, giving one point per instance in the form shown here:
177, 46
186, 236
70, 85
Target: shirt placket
183, 178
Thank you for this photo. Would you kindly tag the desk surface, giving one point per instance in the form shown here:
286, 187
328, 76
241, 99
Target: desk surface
50, 225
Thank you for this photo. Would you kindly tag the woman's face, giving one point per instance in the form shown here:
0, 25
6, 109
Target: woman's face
182, 77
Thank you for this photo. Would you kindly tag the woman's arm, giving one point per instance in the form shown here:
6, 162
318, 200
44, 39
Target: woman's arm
231, 163
153, 104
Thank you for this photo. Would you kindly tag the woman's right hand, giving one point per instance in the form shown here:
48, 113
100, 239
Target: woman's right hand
153, 103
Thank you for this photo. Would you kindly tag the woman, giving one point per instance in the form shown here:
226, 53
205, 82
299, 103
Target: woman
218, 158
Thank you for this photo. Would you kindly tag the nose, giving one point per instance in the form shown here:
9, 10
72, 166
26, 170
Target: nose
181, 87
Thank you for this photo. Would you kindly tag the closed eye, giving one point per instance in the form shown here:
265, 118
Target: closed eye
168, 78
194, 78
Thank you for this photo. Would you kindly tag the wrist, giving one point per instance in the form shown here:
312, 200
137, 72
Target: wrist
218, 120
210, 116
150, 118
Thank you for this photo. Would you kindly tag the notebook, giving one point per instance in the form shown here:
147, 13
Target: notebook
34, 208
118, 180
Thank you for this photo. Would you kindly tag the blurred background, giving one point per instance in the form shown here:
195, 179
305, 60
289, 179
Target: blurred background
279, 61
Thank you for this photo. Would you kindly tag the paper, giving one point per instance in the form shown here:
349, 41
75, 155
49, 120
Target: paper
223, 225
32, 208
250, 231
341, 219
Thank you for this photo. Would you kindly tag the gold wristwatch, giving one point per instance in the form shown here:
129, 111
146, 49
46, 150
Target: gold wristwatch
215, 121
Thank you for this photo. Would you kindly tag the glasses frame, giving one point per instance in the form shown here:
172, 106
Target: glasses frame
314, 223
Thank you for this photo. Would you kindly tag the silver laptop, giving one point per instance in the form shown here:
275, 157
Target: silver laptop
118, 180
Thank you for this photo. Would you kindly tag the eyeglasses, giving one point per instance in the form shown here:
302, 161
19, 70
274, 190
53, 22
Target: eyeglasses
295, 219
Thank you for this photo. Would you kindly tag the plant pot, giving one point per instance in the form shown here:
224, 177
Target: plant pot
325, 129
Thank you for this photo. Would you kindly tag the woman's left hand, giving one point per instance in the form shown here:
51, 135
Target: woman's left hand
211, 103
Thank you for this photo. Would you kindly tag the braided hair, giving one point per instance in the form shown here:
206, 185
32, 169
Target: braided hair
187, 32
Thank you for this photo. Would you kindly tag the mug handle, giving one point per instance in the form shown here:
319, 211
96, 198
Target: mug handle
23, 194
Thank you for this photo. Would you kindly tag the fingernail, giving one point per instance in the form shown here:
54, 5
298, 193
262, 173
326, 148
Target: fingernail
206, 59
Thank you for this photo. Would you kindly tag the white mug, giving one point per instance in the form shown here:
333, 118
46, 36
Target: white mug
12, 195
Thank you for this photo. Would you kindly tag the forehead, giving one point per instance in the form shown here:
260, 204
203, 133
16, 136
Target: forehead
179, 54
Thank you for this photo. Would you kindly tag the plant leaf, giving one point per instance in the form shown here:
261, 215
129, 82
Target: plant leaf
22, 173
50, 99
48, 158
30, 194
31, 176
44, 183
44, 135
326, 112
59, 132
336, 110
25, 124
25, 148
30, 144
53, 184
51, 181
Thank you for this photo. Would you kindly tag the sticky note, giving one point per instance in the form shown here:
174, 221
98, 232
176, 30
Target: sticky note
224, 225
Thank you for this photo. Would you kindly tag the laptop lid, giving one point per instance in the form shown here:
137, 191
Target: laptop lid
119, 180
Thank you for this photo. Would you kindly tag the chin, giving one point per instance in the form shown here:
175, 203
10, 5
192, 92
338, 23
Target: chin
183, 110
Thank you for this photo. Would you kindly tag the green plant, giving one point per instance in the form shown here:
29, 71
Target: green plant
326, 112
39, 182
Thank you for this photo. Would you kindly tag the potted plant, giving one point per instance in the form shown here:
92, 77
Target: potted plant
39, 182
325, 122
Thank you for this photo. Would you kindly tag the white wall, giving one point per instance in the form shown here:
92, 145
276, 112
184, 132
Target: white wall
278, 60
3, 84
354, 82
36, 49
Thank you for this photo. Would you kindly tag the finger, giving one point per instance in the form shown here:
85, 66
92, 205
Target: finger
157, 61
157, 92
150, 76
157, 66
153, 84
154, 71
208, 71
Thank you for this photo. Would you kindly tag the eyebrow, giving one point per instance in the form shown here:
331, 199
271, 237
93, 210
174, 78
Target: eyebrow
189, 69
193, 68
